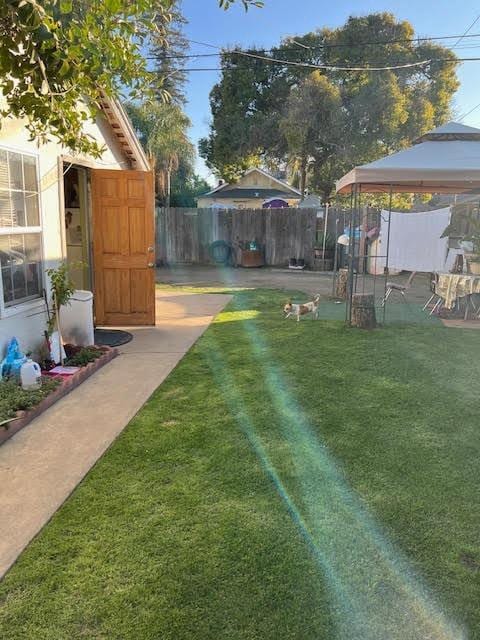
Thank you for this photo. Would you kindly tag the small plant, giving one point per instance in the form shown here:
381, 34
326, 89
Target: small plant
329, 241
63, 289
13, 398
83, 356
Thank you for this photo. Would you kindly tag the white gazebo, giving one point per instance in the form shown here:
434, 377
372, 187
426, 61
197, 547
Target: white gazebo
445, 160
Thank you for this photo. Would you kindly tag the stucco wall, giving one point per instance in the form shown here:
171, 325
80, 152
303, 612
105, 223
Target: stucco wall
27, 321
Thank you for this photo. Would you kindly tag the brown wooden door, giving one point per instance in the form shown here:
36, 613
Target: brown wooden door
123, 247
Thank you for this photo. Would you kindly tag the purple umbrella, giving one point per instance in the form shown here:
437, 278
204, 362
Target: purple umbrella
274, 203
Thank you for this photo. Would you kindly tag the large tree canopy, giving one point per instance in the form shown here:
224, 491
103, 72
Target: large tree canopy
374, 112
56, 55
312, 121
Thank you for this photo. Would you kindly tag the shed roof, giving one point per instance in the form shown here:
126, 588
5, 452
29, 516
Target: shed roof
252, 192
284, 185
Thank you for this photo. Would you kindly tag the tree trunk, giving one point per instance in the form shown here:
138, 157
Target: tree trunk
341, 287
303, 177
168, 187
363, 311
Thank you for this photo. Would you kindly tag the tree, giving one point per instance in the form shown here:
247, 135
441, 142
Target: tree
169, 64
381, 111
311, 122
246, 3
59, 58
186, 187
163, 131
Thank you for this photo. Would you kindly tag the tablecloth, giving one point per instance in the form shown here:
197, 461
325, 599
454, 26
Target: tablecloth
456, 285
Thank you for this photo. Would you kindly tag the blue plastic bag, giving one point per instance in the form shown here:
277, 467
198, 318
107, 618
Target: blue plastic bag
13, 361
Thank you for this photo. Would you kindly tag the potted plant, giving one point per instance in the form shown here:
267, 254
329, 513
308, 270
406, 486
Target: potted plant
63, 289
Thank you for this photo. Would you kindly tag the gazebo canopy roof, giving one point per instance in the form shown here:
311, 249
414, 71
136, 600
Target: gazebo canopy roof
445, 160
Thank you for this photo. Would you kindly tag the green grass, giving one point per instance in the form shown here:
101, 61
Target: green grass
202, 288
287, 481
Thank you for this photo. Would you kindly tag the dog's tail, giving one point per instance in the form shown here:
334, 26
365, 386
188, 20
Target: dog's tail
316, 298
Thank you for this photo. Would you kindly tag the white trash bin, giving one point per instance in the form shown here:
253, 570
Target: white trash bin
76, 319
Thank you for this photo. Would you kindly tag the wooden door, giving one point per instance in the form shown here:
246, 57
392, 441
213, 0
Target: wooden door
123, 247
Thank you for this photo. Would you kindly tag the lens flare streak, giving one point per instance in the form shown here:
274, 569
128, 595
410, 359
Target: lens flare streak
375, 594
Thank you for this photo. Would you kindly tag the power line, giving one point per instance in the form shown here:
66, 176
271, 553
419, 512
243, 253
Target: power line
307, 65
324, 67
390, 67
182, 56
360, 44
336, 67
466, 32
469, 112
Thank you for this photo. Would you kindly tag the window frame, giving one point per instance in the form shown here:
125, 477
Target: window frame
29, 303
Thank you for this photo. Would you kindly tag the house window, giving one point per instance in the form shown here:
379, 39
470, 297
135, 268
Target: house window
20, 230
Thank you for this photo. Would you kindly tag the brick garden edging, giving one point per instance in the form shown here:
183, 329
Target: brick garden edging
67, 385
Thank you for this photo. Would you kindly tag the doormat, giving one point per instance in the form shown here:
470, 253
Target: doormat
111, 337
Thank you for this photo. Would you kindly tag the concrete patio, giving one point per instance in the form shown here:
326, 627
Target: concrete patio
277, 278
42, 464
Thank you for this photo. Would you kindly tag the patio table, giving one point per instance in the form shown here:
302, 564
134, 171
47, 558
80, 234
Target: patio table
452, 286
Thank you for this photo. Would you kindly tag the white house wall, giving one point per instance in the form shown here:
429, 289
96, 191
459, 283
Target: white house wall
27, 321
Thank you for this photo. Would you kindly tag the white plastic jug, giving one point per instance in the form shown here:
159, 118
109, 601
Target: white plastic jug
30, 375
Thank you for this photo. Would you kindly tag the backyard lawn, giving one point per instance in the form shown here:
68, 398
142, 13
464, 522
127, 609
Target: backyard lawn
287, 481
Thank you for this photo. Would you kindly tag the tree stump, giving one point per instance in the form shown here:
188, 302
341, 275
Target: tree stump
363, 311
341, 286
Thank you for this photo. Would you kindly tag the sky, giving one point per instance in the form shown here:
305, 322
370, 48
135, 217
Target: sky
279, 18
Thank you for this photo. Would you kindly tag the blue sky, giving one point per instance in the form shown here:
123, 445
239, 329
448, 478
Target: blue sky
279, 18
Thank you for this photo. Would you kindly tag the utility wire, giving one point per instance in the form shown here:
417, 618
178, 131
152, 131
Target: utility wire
292, 63
466, 32
331, 67
360, 44
469, 112
182, 56
336, 67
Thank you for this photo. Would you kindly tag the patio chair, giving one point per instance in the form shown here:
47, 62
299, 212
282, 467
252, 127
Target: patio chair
434, 298
400, 288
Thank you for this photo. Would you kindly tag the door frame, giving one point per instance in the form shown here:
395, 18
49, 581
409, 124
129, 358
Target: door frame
84, 170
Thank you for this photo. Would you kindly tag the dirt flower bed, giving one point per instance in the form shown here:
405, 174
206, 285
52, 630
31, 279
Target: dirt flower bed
13, 398
24, 406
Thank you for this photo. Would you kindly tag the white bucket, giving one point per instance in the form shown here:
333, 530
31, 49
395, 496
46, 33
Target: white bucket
30, 375
76, 320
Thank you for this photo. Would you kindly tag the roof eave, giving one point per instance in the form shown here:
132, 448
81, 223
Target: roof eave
124, 133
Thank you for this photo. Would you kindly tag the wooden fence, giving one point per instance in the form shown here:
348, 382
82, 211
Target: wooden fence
185, 235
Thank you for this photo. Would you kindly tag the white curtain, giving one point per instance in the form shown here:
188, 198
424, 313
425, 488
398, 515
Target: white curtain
415, 241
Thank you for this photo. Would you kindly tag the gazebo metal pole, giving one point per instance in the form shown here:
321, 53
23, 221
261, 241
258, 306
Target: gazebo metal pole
351, 257
325, 227
335, 256
388, 252
357, 225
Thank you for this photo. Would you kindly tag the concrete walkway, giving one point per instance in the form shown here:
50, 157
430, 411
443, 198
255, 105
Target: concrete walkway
42, 464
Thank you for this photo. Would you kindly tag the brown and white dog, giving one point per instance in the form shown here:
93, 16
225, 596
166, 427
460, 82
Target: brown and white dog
298, 310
